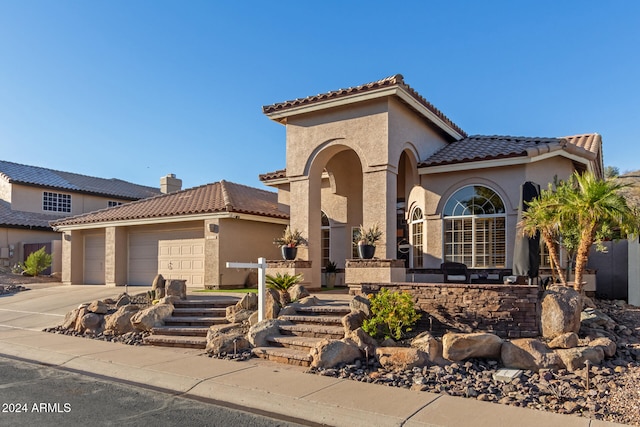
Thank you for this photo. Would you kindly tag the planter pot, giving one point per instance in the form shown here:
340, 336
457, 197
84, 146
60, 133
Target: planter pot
366, 251
289, 253
330, 280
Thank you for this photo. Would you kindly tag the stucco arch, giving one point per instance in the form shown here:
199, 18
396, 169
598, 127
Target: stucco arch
508, 204
326, 150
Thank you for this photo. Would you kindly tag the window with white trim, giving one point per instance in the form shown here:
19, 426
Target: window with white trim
112, 203
56, 202
475, 228
417, 238
325, 239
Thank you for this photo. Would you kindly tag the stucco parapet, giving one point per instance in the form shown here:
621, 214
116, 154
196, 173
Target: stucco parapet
298, 263
375, 263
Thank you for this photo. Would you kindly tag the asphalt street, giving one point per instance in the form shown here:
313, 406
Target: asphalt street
37, 395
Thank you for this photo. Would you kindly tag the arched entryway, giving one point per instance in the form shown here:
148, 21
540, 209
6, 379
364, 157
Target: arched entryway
407, 179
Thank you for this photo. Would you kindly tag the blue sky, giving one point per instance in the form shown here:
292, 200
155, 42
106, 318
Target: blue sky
138, 89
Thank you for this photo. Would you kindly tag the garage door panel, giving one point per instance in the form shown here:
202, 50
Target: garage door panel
184, 259
94, 254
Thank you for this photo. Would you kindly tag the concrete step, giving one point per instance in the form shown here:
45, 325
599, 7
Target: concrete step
315, 319
213, 302
283, 355
313, 331
334, 310
193, 331
200, 312
194, 321
176, 341
294, 342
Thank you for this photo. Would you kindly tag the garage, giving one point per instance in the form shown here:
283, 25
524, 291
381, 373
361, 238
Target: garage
144, 255
182, 259
94, 259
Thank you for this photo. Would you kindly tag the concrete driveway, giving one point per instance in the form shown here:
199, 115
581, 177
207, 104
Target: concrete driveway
46, 304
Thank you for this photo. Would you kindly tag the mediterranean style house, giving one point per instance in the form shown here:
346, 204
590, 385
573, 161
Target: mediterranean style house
378, 153
31, 196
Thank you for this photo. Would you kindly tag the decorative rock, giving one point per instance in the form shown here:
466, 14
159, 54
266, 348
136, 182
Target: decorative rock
428, 344
82, 310
158, 285
594, 318
150, 317
458, 347
608, 346
259, 332
170, 299
272, 307
308, 301
123, 300
575, 358
568, 340
98, 307
120, 321
70, 319
561, 307
248, 302
227, 339
352, 321
529, 354
363, 340
401, 358
90, 322
253, 319
362, 304
175, 287
235, 315
330, 353
297, 292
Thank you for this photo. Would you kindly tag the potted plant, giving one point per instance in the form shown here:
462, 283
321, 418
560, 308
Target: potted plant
330, 274
365, 239
282, 283
289, 242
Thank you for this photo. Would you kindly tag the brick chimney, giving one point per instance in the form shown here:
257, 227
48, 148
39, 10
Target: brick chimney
170, 184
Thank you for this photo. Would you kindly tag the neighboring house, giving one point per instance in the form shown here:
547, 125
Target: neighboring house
381, 153
31, 196
189, 234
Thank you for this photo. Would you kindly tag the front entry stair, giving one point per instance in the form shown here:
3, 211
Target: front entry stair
306, 328
190, 321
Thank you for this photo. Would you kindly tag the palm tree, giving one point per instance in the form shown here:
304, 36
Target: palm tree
542, 215
592, 205
282, 283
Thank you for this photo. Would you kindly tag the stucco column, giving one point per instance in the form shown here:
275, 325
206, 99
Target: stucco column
72, 258
305, 216
212, 267
379, 206
115, 256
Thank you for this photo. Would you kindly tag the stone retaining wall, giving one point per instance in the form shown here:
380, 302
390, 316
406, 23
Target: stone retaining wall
509, 311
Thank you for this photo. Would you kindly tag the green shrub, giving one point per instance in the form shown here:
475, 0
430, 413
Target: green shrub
36, 262
282, 283
392, 314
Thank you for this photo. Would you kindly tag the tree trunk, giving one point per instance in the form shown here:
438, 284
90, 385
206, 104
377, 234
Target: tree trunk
555, 259
582, 256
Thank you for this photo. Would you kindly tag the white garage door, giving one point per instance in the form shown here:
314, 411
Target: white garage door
144, 253
182, 259
94, 259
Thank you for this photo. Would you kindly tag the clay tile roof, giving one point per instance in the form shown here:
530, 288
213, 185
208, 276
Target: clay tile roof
43, 177
395, 80
218, 197
482, 147
279, 174
21, 219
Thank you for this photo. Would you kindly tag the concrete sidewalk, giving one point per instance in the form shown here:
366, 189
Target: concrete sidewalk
264, 386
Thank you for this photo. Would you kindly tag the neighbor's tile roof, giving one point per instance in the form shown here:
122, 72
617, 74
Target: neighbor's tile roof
279, 174
218, 197
481, 147
395, 80
43, 177
21, 219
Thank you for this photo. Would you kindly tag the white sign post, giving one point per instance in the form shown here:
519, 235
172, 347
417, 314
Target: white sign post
262, 272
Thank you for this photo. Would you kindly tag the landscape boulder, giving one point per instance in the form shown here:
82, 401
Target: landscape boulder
123, 300
608, 345
158, 285
363, 340
259, 332
249, 301
576, 358
237, 315
272, 305
456, 346
401, 358
331, 353
594, 318
561, 308
69, 321
177, 288
151, 317
119, 322
361, 304
352, 321
529, 354
90, 322
568, 340
297, 292
227, 339
98, 307
429, 345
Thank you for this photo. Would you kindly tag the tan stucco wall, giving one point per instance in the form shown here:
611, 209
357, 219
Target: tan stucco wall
18, 236
29, 199
116, 256
506, 180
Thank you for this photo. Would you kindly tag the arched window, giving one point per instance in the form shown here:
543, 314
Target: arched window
474, 228
325, 239
417, 238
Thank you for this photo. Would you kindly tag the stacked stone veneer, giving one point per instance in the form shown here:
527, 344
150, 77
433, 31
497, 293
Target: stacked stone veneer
510, 311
